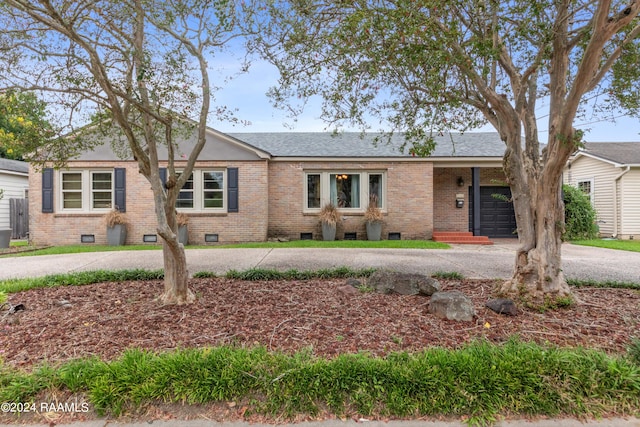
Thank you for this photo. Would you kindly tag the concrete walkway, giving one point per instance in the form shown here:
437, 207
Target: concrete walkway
486, 262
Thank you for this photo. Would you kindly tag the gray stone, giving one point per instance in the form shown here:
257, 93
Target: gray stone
453, 305
387, 282
503, 306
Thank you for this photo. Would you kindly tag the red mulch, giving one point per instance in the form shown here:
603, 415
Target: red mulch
105, 319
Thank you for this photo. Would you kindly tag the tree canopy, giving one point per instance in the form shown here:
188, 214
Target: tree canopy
23, 124
432, 66
137, 71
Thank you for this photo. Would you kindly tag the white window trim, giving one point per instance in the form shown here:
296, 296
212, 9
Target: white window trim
592, 188
86, 190
325, 183
198, 191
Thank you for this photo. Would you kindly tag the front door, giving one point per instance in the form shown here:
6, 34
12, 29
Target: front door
497, 217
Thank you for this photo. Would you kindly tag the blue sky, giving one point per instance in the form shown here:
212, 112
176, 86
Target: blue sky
248, 93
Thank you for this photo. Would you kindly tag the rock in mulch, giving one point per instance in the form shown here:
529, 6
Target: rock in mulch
388, 282
453, 305
503, 306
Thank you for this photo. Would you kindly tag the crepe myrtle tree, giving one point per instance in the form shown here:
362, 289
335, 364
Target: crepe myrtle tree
139, 71
435, 65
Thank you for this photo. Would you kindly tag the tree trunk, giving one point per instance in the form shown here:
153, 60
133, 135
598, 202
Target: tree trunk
176, 275
537, 275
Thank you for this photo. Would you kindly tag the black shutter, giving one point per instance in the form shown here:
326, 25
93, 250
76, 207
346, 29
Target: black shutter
232, 189
120, 187
163, 176
47, 190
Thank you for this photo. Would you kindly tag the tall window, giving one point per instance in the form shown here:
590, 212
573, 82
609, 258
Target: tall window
587, 188
72, 190
101, 190
204, 190
213, 187
185, 198
346, 190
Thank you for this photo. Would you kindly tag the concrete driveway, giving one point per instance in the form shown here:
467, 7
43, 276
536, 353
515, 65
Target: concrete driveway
470, 260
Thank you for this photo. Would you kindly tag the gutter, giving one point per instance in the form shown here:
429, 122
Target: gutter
615, 200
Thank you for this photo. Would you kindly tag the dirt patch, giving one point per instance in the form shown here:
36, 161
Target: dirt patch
68, 322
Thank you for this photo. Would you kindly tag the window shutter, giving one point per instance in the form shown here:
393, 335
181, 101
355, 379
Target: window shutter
163, 176
232, 189
120, 189
47, 190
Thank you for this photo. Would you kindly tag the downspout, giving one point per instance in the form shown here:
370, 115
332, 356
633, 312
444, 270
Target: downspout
615, 200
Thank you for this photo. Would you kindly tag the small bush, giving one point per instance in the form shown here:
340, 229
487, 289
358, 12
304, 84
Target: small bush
634, 351
580, 216
329, 214
115, 217
450, 275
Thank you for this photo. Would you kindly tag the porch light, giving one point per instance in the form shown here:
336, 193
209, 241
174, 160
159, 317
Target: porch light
460, 182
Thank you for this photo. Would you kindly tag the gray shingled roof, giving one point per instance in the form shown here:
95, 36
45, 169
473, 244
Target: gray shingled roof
625, 153
14, 166
352, 144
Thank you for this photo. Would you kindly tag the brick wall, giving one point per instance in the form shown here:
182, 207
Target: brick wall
446, 217
409, 199
249, 224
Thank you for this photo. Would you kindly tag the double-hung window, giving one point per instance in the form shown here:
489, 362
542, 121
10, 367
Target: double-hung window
345, 189
86, 191
587, 188
203, 191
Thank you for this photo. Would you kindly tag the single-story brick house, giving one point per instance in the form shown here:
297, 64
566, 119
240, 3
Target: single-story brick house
251, 186
609, 172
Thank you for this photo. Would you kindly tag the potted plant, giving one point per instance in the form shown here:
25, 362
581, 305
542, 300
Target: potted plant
5, 233
373, 220
116, 228
329, 220
183, 229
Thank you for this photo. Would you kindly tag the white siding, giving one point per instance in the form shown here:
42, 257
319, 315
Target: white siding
630, 204
602, 174
14, 187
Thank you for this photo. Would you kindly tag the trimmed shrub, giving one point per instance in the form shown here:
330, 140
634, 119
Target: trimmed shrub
580, 216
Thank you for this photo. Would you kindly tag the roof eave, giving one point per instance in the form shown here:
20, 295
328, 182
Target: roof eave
230, 139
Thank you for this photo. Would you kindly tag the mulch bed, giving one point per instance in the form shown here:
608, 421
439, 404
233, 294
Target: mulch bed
105, 319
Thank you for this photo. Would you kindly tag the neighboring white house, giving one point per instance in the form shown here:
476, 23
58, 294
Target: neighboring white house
14, 180
609, 172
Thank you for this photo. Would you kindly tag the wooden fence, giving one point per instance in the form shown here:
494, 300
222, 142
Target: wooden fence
19, 218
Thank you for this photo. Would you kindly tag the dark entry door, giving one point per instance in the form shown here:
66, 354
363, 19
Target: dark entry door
497, 218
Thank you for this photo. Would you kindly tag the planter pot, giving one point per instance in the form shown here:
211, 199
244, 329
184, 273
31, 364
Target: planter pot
183, 234
116, 235
374, 230
5, 237
328, 232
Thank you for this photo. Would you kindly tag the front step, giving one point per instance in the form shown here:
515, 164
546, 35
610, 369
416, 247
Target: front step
460, 238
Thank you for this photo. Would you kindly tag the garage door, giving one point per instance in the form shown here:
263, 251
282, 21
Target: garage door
497, 218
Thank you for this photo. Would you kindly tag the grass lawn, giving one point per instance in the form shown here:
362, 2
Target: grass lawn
24, 250
622, 245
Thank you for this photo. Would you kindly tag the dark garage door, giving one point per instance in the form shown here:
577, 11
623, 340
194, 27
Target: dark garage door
497, 218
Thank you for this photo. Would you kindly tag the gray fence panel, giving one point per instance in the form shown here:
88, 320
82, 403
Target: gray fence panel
19, 218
